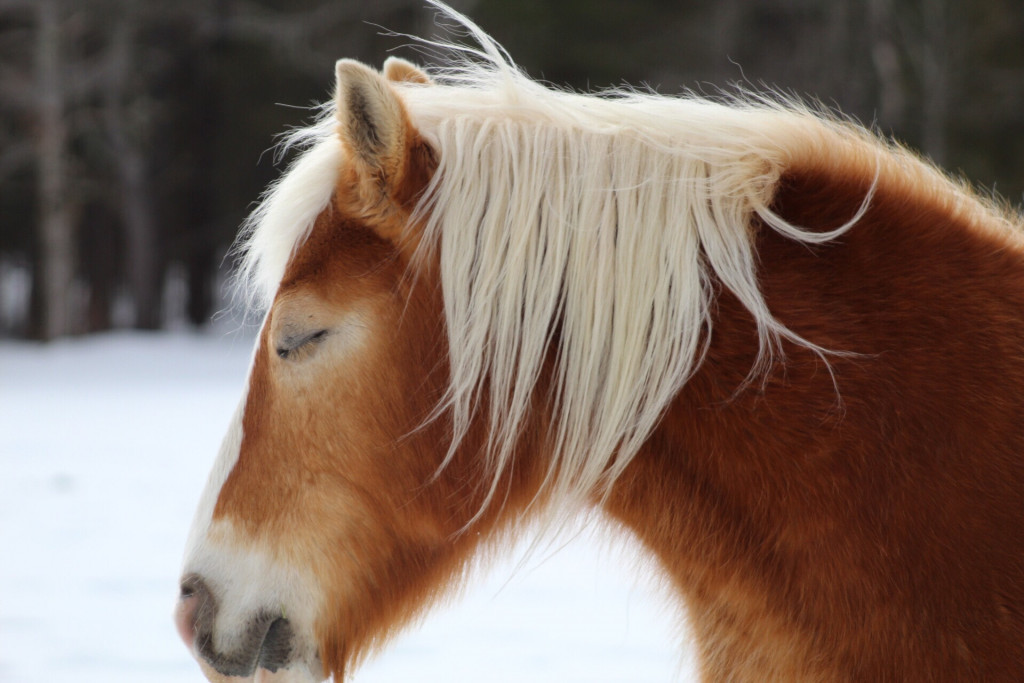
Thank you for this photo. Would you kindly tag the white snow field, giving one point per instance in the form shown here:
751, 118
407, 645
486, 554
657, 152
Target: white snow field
105, 444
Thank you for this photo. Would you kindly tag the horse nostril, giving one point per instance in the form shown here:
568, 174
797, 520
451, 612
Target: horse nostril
277, 649
195, 607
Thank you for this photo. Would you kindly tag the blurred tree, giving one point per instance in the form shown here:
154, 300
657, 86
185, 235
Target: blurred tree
57, 246
38, 96
128, 132
151, 117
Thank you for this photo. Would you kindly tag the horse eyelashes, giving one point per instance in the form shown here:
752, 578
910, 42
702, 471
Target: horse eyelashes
291, 344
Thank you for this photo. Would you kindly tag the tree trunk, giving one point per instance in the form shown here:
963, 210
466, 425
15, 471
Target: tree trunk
885, 57
144, 269
935, 78
56, 238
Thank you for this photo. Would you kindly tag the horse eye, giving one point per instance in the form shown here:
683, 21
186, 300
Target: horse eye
293, 343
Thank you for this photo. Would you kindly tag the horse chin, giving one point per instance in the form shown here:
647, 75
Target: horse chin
293, 673
296, 673
285, 676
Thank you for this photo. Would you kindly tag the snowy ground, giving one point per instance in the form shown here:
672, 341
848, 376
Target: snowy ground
105, 444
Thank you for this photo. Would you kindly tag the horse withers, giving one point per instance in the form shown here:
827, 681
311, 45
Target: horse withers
784, 354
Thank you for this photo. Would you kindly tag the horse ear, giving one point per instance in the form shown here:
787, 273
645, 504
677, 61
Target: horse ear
373, 123
390, 163
400, 71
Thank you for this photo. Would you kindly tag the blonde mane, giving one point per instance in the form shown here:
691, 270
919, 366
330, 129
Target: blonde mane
588, 227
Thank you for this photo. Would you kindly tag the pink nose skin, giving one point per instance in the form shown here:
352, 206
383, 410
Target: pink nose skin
194, 595
185, 618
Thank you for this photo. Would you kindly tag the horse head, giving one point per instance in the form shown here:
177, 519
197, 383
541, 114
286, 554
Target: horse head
329, 489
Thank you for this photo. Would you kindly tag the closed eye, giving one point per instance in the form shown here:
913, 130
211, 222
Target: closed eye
291, 344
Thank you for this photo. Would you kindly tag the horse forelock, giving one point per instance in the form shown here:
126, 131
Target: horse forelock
286, 212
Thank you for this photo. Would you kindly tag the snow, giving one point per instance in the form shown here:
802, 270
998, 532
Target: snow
106, 443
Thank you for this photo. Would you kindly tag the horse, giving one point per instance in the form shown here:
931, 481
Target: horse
782, 352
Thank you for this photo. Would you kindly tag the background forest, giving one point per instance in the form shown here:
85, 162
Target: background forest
135, 134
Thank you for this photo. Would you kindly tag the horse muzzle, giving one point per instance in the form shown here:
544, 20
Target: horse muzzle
262, 650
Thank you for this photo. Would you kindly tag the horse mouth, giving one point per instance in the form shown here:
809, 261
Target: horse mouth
268, 645
273, 662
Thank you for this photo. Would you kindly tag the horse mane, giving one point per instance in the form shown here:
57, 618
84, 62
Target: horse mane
587, 228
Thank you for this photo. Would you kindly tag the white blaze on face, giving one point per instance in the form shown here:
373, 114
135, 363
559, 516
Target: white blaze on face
230, 447
246, 579
222, 466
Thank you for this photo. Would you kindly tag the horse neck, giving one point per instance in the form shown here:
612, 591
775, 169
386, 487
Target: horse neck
770, 503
